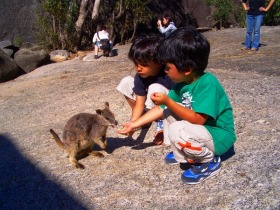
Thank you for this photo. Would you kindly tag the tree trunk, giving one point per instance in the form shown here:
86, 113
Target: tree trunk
135, 23
81, 19
95, 10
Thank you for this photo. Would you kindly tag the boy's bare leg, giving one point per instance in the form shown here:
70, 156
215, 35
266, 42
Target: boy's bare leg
130, 102
96, 50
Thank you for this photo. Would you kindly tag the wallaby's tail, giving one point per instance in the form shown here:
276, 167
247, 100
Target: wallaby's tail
57, 139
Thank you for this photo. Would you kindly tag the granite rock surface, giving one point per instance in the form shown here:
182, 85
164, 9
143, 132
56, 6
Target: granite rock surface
36, 174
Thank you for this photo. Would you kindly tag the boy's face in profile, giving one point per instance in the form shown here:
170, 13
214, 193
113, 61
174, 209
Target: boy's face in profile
173, 73
147, 70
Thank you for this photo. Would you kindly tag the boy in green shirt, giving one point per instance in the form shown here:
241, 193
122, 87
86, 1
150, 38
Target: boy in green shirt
198, 118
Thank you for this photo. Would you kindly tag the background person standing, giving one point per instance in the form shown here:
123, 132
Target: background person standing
255, 14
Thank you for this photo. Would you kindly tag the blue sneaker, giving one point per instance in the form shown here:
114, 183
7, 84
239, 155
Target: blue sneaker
170, 159
198, 173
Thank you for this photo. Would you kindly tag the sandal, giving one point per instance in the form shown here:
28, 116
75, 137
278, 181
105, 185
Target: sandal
158, 140
245, 48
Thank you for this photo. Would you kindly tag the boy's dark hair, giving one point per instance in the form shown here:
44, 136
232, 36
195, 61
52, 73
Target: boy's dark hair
144, 49
185, 47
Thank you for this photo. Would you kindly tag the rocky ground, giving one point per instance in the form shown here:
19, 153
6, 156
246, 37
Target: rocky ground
35, 173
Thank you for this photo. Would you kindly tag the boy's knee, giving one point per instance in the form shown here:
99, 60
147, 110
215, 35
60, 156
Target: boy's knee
193, 149
126, 81
125, 87
156, 87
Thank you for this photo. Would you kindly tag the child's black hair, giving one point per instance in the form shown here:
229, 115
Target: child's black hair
103, 27
144, 49
167, 17
185, 48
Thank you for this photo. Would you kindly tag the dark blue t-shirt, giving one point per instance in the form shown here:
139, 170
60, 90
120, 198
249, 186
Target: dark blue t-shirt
254, 6
141, 84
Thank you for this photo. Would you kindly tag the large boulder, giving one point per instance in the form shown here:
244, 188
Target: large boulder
31, 56
8, 68
19, 19
8, 48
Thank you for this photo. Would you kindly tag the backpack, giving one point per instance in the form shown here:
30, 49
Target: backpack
104, 43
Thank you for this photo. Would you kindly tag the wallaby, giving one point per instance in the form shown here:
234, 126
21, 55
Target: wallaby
84, 130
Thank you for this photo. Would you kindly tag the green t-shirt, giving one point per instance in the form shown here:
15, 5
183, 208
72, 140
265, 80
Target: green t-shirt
207, 96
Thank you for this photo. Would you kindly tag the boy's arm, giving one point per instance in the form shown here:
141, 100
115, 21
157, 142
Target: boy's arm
186, 113
153, 114
181, 111
138, 108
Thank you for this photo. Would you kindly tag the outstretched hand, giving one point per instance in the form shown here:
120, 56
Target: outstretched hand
127, 129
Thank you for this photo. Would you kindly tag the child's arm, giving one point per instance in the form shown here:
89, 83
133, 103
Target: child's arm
245, 5
181, 111
138, 108
153, 114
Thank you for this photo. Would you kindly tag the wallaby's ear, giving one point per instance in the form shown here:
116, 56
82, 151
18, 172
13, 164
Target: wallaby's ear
99, 111
106, 104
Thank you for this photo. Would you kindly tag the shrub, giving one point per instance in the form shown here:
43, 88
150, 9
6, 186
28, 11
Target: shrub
272, 18
223, 11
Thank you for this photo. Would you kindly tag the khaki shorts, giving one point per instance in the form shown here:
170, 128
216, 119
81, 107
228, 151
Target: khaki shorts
179, 133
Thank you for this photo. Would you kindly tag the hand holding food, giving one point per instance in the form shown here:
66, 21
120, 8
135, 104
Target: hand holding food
127, 129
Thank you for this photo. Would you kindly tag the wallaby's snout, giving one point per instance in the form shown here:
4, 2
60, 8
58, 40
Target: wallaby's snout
109, 116
116, 122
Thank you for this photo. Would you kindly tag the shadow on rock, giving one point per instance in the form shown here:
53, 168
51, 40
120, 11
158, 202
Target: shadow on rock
136, 144
23, 186
228, 154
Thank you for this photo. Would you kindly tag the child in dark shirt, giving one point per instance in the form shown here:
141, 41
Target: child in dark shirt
149, 78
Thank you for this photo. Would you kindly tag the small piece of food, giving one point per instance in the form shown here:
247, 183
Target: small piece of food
123, 128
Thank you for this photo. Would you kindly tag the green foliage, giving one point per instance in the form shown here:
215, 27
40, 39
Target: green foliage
272, 17
223, 10
240, 16
140, 10
126, 20
57, 23
17, 41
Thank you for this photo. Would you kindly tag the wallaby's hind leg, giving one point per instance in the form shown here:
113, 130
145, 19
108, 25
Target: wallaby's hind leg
73, 160
96, 153
89, 151
104, 138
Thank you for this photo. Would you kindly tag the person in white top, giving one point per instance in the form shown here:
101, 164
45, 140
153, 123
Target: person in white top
100, 35
166, 26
